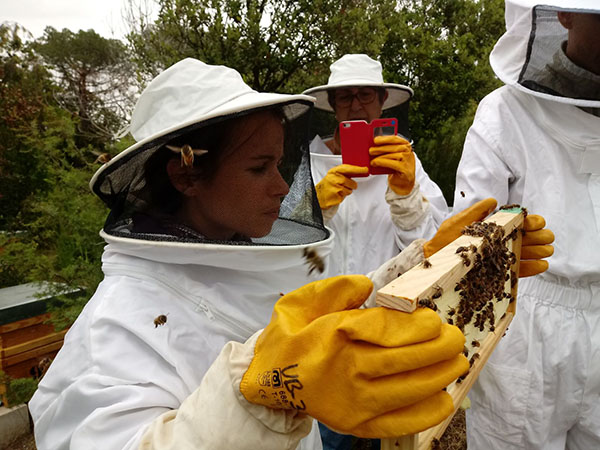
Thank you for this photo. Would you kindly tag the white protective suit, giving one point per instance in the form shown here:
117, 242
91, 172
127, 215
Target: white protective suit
541, 387
123, 371
368, 229
130, 377
125, 380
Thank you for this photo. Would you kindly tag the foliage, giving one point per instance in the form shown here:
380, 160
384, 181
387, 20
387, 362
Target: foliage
440, 48
24, 94
94, 81
20, 390
276, 45
62, 222
50, 229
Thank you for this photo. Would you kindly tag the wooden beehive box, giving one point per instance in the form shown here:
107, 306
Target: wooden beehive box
26, 336
473, 284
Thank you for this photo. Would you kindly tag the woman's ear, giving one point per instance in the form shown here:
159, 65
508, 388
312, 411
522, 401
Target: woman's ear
565, 19
182, 178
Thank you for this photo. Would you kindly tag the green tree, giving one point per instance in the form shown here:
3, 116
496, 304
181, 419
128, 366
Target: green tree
277, 45
95, 78
440, 48
50, 231
24, 93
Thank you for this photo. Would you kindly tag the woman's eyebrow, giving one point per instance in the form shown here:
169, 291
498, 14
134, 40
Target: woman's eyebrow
269, 157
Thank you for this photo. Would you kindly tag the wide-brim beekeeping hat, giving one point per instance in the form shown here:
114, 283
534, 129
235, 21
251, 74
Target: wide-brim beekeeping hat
179, 102
187, 95
358, 70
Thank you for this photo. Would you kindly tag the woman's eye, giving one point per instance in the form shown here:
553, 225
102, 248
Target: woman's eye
258, 169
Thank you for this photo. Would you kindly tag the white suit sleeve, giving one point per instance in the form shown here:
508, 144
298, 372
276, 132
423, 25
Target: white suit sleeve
482, 171
216, 415
394, 267
420, 213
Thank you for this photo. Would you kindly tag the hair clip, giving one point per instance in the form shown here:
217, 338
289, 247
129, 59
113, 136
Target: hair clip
187, 153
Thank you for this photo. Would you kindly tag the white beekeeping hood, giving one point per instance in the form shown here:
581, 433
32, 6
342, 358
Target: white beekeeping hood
533, 41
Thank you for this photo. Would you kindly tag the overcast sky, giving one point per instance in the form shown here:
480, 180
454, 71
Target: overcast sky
104, 16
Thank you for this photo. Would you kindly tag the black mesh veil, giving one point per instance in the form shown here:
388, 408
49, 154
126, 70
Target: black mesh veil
124, 186
546, 67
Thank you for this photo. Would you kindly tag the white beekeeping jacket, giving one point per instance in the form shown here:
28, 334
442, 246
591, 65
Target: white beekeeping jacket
123, 371
535, 142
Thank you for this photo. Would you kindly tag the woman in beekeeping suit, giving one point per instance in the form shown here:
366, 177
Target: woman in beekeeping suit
536, 142
211, 329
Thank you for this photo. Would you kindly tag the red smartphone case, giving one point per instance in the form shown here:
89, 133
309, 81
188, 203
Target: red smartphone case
356, 136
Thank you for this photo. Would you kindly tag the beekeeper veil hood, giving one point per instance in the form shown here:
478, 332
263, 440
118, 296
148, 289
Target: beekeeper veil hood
195, 101
532, 55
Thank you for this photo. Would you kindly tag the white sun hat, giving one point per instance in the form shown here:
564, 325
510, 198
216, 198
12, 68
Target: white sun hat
187, 95
358, 70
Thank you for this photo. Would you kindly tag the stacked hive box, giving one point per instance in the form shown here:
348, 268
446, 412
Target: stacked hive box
26, 336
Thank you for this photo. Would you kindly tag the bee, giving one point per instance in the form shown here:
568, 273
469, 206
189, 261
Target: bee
462, 193
426, 303
451, 312
281, 294
514, 205
187, 153
475, 343
313, 260
473, 358
426, 263
466, 260
160, 320
437, 292
435, 444
103, 158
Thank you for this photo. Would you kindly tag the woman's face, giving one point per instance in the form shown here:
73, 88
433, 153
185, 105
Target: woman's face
245, 194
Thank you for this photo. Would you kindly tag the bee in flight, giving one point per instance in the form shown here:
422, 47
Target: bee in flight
103, 158
313, 260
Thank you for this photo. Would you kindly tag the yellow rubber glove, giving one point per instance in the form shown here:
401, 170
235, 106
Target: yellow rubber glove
337, 184
535, 246
395, 152
367, 372
451, 228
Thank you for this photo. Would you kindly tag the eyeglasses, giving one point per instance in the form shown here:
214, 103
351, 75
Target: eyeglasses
345, 98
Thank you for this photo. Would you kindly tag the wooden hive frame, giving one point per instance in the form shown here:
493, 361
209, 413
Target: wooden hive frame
441, 280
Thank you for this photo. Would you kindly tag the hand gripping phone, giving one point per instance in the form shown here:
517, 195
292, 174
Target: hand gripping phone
356, 137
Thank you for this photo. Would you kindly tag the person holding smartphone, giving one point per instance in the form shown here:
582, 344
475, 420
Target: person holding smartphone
374, 217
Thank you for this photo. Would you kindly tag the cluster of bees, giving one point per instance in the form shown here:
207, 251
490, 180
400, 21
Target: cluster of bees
484, 284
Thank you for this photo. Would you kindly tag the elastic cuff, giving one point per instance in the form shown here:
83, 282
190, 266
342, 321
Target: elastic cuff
407, 211
328, 214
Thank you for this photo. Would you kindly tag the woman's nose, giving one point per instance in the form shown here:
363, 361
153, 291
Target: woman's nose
279, 187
